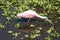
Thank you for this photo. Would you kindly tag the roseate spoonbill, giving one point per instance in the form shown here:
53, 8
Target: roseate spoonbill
30, 14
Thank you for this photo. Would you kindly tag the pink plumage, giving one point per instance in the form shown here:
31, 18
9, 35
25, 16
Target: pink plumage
29, 14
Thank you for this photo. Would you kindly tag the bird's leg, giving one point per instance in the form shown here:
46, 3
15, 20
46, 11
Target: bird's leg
28, 20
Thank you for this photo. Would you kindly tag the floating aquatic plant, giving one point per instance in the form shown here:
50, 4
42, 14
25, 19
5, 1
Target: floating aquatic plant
2, 26
32, 25
51, 32
17, 25
15, 34
10, 32
33, 36
48, 38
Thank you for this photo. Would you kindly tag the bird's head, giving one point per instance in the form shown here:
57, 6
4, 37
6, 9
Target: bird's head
48, 20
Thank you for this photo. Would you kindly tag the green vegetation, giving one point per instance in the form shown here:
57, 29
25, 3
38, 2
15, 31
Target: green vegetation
48, 38
2, 26
49, 8
10, 32
17, 25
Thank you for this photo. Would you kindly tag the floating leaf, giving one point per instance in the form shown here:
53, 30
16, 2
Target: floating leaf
26, 35
16, 34
10, 32
2, 26
17, 25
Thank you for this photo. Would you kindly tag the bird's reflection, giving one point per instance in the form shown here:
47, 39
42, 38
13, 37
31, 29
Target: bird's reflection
26, 27
25, 20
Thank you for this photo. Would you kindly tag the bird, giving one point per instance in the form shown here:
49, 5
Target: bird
29, 14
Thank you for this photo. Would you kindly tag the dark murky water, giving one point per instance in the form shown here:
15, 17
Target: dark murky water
4, 33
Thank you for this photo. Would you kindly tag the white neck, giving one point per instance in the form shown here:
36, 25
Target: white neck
42, 17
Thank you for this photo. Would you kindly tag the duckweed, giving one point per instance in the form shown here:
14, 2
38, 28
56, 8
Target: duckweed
53, 33
16, 34
32, 25
2, 26
32, 36
21, 38
37, 31
48, 38
50, 30
17, 25
26, 35
10, 32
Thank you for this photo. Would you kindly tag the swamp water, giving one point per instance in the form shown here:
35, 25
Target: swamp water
24, 26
